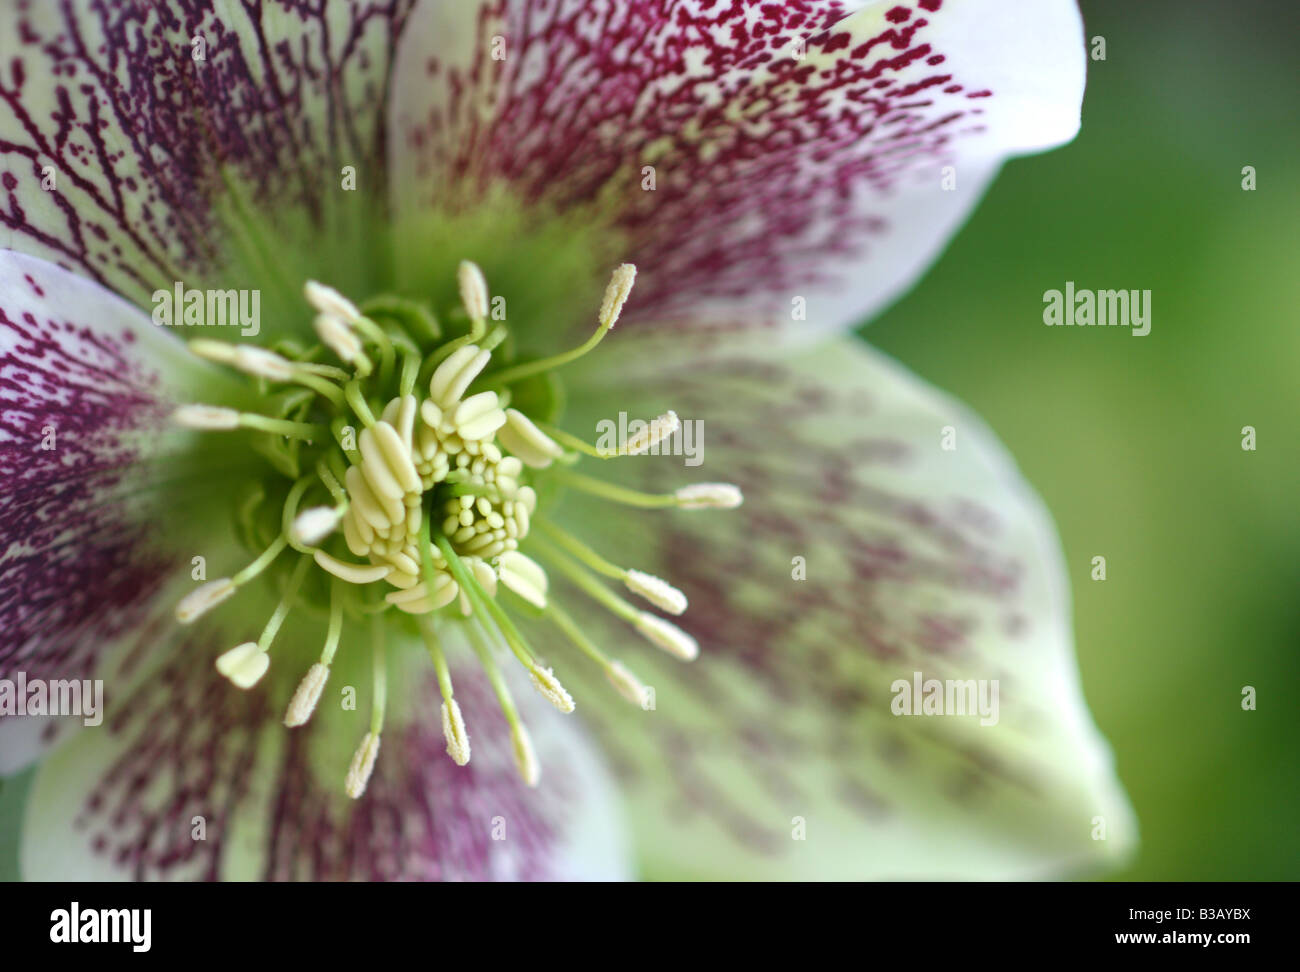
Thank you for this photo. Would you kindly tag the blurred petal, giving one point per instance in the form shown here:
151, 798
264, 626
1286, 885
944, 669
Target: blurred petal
793, 194
116, 135
87, 473
917, 559
190, 778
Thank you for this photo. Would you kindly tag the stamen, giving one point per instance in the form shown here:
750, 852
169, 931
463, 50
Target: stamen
623, 680
524, 577
551, 689
203, 599
453, 723
217, 418
522, 438
648, 438
473, 291
655, 590
699, 496
304, 700
616, 293
667, 636
525, 758
709, 496
363, 765
343, 341
312, 526
244, 664
327, 300
352, 573
453, 376
286, 604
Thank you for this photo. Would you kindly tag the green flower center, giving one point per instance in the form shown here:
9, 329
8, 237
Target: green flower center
405, 482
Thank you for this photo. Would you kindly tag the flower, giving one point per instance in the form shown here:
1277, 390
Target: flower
410, 211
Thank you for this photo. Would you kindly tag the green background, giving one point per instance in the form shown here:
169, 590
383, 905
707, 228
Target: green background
1135, 443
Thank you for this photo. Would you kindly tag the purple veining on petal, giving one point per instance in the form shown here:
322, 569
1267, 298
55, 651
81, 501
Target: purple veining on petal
109, 99
804, 493
74, 570
762, 159
192, 747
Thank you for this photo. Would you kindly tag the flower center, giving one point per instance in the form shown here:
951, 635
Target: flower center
419, 503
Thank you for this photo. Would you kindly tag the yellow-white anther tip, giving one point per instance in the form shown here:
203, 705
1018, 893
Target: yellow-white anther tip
655, 590
667, 636
473, 290
363, 764
551, 689
453, 728
628, 685
261, 363
657, 431
203, 599
709, 496
206, 417
524, 576
525, 758
304, 700
313, 525
338, 337
244, 664
529, 444
616, 293
222, 352
329, 301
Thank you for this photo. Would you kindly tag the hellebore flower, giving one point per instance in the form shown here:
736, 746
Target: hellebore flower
347, 564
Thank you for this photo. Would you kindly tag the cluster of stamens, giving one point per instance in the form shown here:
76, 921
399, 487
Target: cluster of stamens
431, 500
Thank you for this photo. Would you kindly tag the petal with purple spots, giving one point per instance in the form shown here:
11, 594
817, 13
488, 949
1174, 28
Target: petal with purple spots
188, 756
89, 470
794, 194
865, 552
120, 123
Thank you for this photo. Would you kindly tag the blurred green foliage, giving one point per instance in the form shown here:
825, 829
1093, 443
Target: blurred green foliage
1135, 443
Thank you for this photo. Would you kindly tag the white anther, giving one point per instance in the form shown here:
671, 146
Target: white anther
313, 525
363, 764
525, 758
628, 685
659, 429
551, 689
364, 501
453, 728
329, 301
206, 417
453, 376
304, 700
669, 637
261, 363
616, 292
397, 456
709, 496
477, 417
222, 352
526, 441
658, 592
352, 573
375, 465
338, 337
203, 599
473, 290
523, 576
244, 664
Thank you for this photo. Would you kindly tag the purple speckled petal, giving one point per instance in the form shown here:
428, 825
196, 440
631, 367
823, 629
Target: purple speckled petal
115, 136
741, 153
86, 383
865, 551
124, 800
